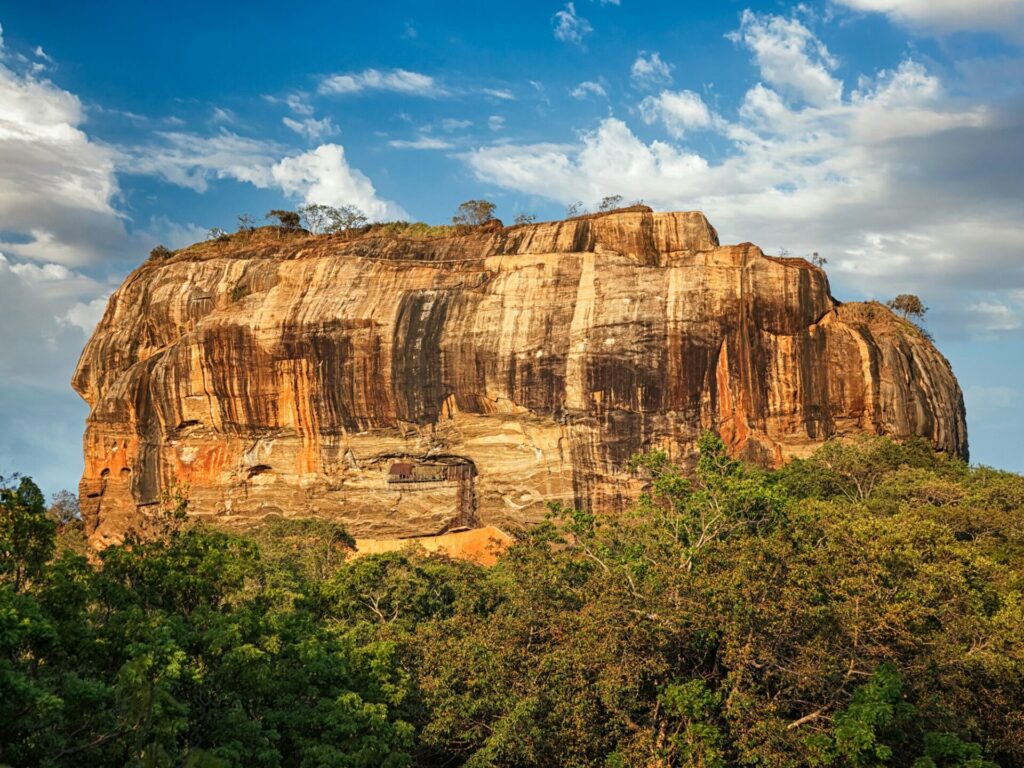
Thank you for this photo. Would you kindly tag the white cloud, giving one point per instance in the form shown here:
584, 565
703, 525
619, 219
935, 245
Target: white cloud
649, 70
323, 175
790, 57
221, 115
679, 111
588, 88
569, 27
500, 93
1005, 17
452, 124
297, 102
57, 187
46, 312
173, 234
84, 315
395, 80
37, 302
903, 187
190, 160
496, 122
312, 129
994, 316
423, 142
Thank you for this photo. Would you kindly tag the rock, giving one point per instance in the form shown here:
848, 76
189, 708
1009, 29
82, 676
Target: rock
409, 387
479, 545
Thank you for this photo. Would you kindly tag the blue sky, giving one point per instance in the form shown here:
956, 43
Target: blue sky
884, 134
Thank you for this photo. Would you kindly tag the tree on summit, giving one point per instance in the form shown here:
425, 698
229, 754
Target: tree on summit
316, 217
473, 213
908, 305
324, 219
346, 217
285, 219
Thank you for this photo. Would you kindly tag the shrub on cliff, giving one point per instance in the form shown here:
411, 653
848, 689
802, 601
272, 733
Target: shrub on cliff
160, 252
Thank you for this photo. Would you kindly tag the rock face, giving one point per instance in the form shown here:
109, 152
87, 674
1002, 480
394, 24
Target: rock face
410, 387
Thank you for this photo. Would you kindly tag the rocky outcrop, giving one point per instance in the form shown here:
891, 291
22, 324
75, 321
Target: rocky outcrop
409, 387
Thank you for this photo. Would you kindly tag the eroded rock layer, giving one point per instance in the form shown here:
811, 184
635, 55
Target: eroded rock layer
410, 387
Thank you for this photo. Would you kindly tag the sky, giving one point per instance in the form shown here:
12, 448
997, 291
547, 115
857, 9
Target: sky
885, 135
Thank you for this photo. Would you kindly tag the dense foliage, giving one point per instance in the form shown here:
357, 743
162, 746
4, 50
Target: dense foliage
858, 608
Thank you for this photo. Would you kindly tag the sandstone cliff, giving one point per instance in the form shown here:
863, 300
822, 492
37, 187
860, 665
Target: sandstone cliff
414, 386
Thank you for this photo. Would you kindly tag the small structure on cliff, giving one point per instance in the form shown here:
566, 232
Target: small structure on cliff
542, 356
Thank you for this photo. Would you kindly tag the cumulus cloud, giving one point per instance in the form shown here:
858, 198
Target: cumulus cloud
678, 111
84, 315
994, 316
570, 27
1005, 17
395, 80
192, 160
323, 175
588, 88
903, 187
790, 57
46, 311
58, 186
649, 69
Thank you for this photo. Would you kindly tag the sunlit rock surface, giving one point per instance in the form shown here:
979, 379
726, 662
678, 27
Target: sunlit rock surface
409, 387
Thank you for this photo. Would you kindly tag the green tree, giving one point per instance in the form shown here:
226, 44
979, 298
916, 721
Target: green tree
26, 533
908, 306
473, 213
316, 217
286, 220
345, 218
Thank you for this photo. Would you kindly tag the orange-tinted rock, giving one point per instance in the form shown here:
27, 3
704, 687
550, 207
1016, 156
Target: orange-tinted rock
408, 387
479, 545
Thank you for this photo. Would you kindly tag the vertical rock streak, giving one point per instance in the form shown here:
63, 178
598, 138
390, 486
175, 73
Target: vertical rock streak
277, 377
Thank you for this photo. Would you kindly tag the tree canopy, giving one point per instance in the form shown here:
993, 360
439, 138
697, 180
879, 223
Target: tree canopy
285, 219
861, 607
473, 213
908, 305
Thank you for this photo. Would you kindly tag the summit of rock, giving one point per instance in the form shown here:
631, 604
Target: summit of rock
413, 385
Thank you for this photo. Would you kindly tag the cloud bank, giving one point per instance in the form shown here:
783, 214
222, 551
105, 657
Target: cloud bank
900, 185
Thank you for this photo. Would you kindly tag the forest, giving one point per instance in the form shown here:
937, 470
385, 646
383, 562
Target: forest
860, 607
